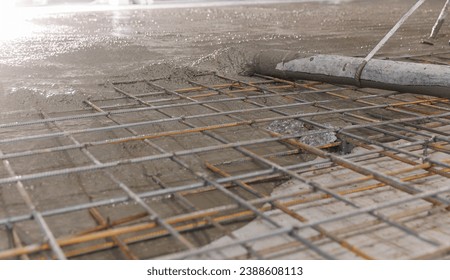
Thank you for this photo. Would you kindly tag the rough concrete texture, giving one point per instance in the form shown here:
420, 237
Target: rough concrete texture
62, 59
54, 60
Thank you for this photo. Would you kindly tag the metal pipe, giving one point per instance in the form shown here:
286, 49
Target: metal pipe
398, 76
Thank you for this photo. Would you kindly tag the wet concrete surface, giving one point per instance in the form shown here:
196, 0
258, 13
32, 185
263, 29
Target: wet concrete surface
67, 57
60, 58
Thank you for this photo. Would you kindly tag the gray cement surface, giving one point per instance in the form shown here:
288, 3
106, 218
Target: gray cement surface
53, 60
57, 60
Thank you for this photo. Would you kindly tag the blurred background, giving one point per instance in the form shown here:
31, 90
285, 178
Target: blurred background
52, 2
10, 3
57, 2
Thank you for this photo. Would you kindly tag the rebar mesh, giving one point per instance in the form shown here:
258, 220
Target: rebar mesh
216, 167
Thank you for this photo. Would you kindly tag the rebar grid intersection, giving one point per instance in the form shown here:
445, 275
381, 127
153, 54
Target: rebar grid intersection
161, 172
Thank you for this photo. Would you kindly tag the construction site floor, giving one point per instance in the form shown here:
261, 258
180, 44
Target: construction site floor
134, 134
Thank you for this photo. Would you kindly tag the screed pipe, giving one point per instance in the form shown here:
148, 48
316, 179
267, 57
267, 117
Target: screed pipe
398, 76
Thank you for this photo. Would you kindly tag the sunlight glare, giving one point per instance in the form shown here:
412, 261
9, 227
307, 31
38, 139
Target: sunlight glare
14, 22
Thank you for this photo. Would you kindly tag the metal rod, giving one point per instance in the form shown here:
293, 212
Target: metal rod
183, 188
153, 215
297, 216
220, 187
177, 195
394, 29
123, 246
37, 216
421, 132
440, 20
66, 242
355, 167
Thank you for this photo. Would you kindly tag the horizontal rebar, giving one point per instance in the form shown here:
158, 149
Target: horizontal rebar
193, 186
257, 201
420, 134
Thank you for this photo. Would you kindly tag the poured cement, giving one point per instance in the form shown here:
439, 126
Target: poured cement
287, 127
61, 59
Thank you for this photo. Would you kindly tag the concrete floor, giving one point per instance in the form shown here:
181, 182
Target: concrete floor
59, 57
57, 60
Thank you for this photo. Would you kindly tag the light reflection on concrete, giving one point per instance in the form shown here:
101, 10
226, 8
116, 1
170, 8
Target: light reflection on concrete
14, 23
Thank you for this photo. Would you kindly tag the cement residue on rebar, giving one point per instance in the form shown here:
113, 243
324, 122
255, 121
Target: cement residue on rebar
292, 126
